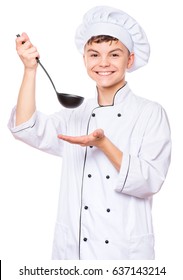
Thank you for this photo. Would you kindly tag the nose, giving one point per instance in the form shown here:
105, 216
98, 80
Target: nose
104, 62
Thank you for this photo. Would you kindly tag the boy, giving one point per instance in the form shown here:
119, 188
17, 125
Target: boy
115, 147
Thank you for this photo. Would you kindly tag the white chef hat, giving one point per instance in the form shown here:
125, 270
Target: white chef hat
104, 20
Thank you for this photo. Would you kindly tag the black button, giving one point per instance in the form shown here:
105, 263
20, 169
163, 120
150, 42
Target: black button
89, 175
119, 115
84, 239
108, 210
107, 177
86, 207
107, 241
91, 147
93, 115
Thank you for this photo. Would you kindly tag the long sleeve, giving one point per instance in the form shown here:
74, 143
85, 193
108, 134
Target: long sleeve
40, 131
143, 174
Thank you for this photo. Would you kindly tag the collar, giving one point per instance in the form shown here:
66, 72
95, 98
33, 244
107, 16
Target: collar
119, 96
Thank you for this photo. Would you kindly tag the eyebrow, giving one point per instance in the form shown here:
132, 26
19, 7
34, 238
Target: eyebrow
118, 49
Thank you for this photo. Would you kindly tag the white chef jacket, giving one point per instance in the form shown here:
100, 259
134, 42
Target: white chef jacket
103, 213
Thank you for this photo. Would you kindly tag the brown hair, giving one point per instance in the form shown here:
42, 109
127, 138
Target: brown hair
101, 38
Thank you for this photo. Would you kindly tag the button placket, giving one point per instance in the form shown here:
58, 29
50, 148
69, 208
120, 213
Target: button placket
108, 210
89, 176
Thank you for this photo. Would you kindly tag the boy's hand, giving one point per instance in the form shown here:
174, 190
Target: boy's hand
94, 139
26, 51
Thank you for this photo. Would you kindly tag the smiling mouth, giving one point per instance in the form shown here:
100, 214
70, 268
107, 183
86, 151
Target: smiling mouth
106, 73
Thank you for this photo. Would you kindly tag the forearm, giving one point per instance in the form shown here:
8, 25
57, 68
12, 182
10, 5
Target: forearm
112, 152
26, 104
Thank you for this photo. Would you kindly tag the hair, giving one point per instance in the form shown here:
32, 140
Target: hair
101, 38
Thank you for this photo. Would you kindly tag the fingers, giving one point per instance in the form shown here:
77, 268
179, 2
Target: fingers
73, 139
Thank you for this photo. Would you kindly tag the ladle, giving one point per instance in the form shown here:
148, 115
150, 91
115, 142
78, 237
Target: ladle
67, 100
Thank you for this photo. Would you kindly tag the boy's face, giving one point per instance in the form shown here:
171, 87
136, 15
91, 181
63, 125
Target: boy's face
106, 64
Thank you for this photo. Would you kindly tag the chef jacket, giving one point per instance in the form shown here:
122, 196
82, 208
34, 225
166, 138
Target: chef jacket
104, 213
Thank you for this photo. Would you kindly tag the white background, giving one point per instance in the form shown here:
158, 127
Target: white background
29, 179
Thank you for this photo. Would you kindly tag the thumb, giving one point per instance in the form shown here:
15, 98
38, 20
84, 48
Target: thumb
22, 39
99, 133
25, 36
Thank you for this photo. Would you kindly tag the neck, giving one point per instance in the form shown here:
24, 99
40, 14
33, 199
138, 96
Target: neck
105, 99
106, 96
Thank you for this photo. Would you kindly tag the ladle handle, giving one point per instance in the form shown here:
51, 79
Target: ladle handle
38, 61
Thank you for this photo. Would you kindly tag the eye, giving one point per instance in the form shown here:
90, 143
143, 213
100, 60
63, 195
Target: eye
94, 55
115, 55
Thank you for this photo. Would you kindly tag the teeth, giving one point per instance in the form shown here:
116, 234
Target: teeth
104, 73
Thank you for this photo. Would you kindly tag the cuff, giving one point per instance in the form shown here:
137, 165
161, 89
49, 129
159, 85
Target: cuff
13, 128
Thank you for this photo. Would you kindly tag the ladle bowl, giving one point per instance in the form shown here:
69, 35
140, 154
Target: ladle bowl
67, 100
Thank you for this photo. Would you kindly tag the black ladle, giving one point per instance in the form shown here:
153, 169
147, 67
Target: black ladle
67, 100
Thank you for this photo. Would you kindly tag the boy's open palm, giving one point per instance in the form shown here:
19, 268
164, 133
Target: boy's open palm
93, 139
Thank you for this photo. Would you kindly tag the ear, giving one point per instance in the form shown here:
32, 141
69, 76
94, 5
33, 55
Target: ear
84, 60
130, 60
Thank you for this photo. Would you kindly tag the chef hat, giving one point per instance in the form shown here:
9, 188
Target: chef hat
104, 20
